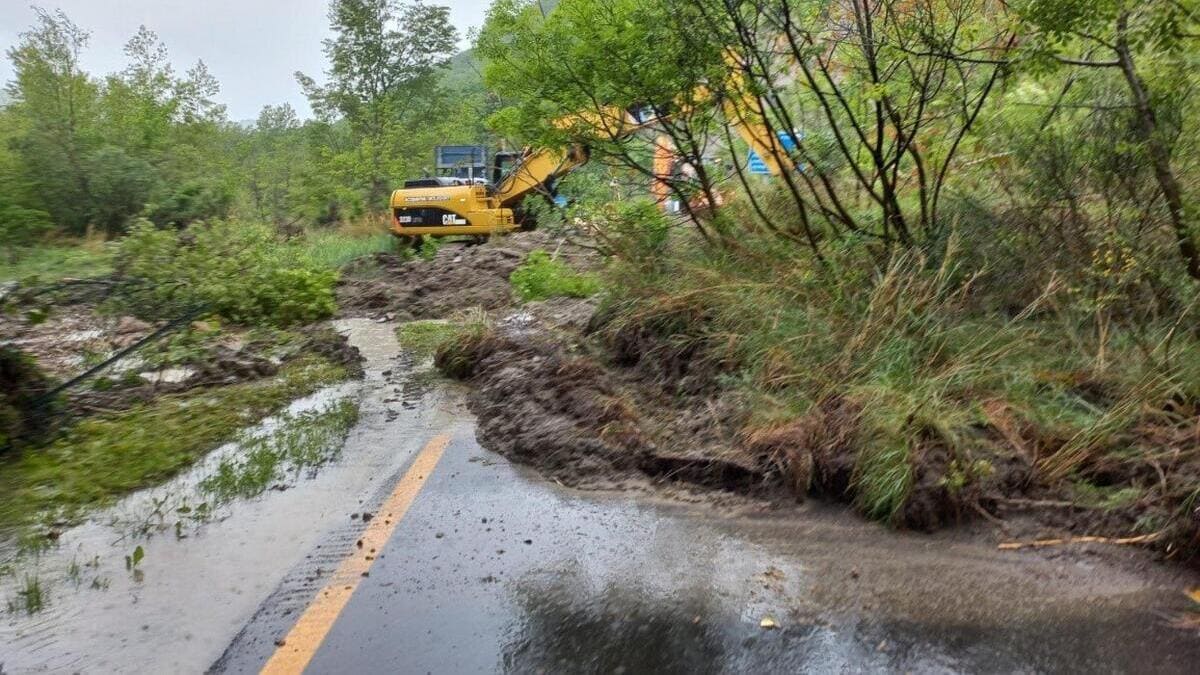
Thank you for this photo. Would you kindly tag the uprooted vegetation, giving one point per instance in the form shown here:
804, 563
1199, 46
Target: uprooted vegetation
211, 329
105, 456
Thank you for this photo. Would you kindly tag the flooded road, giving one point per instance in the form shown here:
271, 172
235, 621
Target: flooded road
493, 569
188, 597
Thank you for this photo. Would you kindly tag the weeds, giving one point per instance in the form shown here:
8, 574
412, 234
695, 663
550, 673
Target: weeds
541, 277
332, 249
422, 338
472, 338
105, 457
30, 598
301, 442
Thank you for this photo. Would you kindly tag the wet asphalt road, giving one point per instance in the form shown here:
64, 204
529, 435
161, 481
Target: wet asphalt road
495, 570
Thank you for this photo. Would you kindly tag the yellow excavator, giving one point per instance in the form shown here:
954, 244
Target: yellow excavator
441, 206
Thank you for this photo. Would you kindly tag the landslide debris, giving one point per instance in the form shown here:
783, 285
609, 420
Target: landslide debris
595, 402
458, 276
63, 334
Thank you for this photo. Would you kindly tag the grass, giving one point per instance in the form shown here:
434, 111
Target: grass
30, 598
472, 333
422, 338
329, 248
300, 442
930, 374
105, 457
60, 261
332, 249
542, 276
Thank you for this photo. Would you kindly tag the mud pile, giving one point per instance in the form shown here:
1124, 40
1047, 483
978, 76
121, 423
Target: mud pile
544, 398
459, 276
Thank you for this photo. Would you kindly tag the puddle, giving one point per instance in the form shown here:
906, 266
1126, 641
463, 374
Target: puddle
197, 583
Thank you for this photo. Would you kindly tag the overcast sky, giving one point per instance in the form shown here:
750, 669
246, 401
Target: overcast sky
252, 46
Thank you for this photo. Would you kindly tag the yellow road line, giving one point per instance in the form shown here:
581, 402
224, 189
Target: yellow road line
303, 640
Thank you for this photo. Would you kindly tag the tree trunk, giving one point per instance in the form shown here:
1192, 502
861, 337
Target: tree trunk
1160, 153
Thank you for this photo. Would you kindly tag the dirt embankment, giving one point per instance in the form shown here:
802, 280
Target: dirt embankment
595, 403
597, 408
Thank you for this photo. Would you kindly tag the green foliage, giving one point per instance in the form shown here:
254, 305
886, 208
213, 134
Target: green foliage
94, 154
49, 263
423, 338
192, 201
20, 229
384, 57
331, 249
107, 456
118, 187
238, 271
298, 443
542, 276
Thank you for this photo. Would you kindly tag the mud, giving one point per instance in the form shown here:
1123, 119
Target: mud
459, 276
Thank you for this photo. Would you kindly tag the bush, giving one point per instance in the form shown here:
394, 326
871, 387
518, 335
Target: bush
191, 202
238, 271
20, 228
541, 277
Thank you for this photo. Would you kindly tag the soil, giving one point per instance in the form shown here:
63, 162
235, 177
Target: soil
459, 276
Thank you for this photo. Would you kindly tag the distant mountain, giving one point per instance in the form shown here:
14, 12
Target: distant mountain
465, 72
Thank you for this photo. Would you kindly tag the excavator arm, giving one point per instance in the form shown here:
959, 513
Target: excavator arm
430, 207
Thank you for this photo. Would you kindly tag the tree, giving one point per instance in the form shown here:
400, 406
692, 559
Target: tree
383, 59
57, 103
276, 155
1120, 35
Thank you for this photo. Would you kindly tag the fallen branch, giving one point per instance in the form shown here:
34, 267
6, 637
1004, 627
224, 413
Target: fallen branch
1042, 543
1037, 503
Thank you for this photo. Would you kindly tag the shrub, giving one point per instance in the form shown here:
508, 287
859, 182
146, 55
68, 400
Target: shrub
20, 228
238, 271
541, 277
193, 201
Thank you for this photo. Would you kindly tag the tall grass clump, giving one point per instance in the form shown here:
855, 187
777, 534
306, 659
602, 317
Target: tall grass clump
944, 390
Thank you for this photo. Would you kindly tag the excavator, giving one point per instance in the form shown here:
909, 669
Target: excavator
441, 206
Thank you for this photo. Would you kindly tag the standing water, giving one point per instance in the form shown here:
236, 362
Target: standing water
196, 584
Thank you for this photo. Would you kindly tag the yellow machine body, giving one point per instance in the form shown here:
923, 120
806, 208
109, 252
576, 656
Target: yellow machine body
449, 210
455, 209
